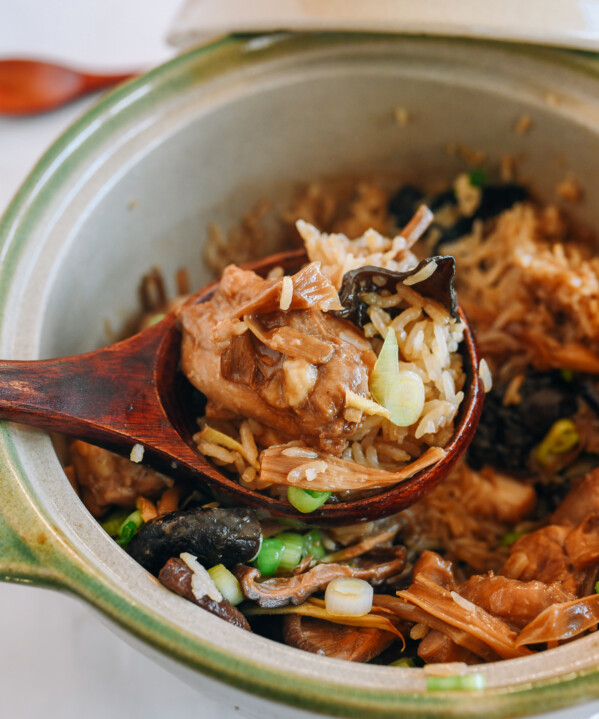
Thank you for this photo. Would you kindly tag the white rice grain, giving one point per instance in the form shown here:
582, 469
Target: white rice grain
485, 375
286, 293
137, 453
422, 274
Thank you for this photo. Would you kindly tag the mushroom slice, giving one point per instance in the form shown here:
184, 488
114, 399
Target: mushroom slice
279, 591
214, 536
354, 644
177, 576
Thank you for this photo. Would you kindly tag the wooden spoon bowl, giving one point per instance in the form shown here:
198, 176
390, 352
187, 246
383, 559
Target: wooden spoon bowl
133, 393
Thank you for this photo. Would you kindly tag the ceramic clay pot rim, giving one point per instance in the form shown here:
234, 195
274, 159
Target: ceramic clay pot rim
44, 550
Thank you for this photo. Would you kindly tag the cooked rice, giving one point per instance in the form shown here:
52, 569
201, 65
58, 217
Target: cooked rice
553, 287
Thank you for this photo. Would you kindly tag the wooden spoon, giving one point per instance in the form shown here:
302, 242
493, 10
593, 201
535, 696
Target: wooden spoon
28, 87
133, 393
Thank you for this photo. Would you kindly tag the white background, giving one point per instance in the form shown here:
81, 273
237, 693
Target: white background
58, 660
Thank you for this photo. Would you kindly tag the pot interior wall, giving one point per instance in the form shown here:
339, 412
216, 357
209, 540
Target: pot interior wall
297, 124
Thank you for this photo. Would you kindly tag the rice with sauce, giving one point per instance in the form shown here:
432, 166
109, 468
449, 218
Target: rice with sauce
427, 336
502, 558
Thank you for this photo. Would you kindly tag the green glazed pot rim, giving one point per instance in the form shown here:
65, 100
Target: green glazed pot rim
40, 548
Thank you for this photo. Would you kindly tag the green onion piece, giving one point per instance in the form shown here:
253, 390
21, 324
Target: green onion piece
567, 374
561, 438
477, 177
455, 682
269, 556
227, 584
508, 539
596, 587
293, 551
114, 521
401, 392
129, 528
156, 319
313, 544
306, 500
403, 662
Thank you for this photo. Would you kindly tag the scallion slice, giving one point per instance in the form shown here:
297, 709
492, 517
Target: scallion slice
227, 584
561, 438
508, 539
269, 556
293, 551
114, 521
306, 500
403, 662
455, 682
129, 527
313, 544
348, 597
399, 391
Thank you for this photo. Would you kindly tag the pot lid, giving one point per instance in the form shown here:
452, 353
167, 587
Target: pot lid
569, 23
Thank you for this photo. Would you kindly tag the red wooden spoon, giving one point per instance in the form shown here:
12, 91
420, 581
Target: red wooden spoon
28, 87
132, 393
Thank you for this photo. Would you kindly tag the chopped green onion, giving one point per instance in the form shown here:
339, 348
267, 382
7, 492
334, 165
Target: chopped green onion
561, 438
293, 551
508, 539
129, 528
114, 521
596, 587
269, 556
455, 682
313, 544
399, 391
348, 597
156, 319
403, 662
567, 374
306, 500
227, 584
477, 177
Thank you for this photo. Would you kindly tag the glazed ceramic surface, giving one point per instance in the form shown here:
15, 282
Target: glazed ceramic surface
134, 185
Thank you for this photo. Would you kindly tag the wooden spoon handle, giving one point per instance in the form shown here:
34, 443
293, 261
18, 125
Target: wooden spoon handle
99, 82
107, 396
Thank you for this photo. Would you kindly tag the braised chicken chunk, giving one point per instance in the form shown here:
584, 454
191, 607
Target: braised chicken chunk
288, 368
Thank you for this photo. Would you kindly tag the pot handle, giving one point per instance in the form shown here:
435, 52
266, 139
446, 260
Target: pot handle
30, 550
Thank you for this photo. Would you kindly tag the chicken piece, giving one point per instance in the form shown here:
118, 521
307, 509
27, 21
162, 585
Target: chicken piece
516, 602
287, 368
581, 500
500, 497
434, 567
106, 479
566, 551
541, 555
437, 648
354, 644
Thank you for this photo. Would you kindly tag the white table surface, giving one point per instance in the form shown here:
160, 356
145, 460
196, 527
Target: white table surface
59, 660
